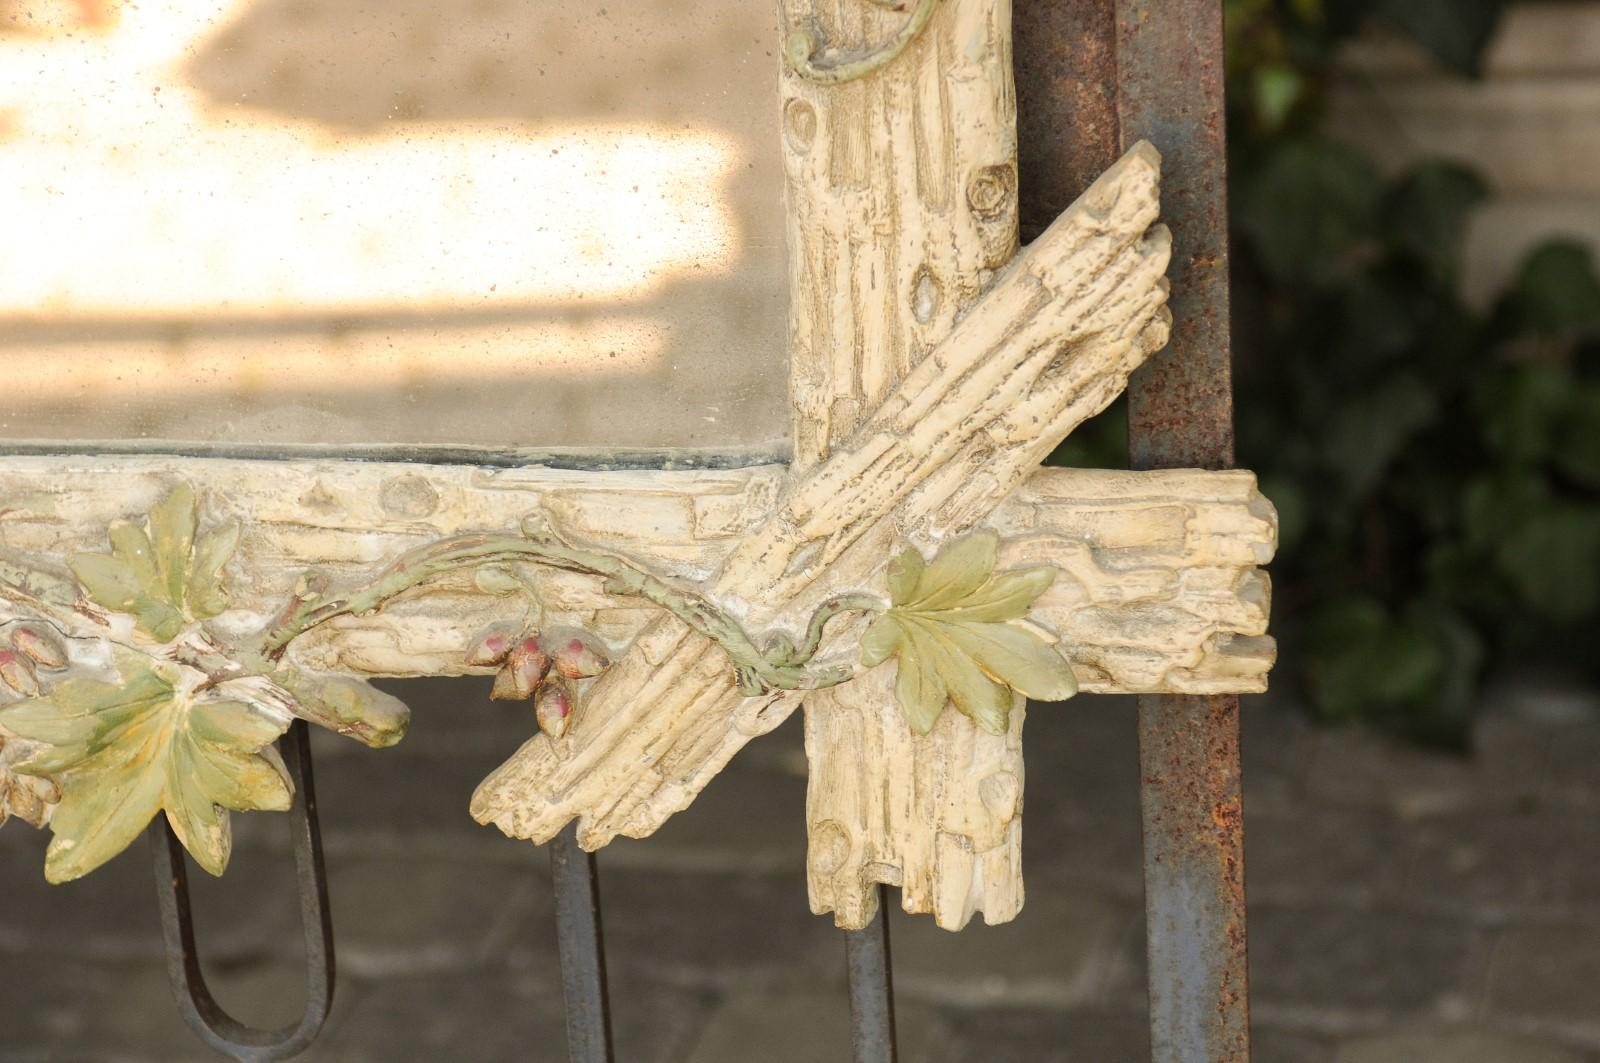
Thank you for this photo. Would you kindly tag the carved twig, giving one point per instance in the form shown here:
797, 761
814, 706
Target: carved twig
807, 52
783, 667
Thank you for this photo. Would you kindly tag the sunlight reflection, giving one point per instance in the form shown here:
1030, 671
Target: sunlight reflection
130, 196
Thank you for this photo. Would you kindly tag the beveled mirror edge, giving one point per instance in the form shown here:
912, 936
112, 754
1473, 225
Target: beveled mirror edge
586, 459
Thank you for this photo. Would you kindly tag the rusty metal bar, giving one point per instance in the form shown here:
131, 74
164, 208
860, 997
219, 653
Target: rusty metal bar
872, 987
1093, 77
1065, 56
1180, 415
219, 1030
1170, 92
582, 948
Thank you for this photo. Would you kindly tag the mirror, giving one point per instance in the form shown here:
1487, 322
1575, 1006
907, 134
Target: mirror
496, 224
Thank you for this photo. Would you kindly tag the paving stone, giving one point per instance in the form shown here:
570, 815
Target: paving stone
1550, 972
1342, 959
1047, 1036
721, 931
1497, 865
112, 913
371, 804
125, 1012
1279, 1046
1342, 855
1056, 953
751, 818
1277, 742
450, 716
395, 917
1082, 811
1453, 1046
1358, 768
1573, 779
501, 1015
805, 1027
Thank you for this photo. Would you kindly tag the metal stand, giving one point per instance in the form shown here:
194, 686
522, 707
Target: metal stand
583, 958
200, 1010
871, 987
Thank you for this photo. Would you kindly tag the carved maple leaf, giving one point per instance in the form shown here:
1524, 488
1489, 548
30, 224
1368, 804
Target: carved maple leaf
952, 625
149, 743
184, 729
162, 572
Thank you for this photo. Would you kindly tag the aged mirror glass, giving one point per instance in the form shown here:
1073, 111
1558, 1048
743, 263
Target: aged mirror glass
493, 224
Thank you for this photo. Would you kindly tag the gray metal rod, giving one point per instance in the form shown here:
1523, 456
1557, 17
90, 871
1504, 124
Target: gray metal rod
1194, 879
583, 960
872, 987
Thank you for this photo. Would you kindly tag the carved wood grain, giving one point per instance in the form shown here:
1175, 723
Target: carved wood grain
930, 144
1159, 589
1050, 344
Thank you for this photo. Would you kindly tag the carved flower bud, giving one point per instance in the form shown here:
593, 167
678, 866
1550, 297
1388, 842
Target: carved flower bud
554, 708
526, 665
42, 647
16, 671
577, 654
492, 645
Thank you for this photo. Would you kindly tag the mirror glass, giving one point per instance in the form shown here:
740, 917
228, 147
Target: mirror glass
492, 223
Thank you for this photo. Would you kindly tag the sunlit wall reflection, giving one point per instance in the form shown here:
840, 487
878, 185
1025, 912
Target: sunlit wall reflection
288, 221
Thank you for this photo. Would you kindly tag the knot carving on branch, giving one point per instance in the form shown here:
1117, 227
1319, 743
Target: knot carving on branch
123, 696
811, 56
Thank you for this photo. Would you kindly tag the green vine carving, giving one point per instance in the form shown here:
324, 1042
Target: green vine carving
178, 720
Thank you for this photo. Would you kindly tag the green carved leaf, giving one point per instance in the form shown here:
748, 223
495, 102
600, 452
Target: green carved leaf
108, 581
172, 528
1006, 596
956, 571
125, 751
905, 573
205, 596
497, 580
973, 693
883, 639
131, 546
918, 687
161, 573
950, 627
1016, 657
348, 707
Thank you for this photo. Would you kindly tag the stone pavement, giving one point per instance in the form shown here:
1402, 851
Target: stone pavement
1405, 907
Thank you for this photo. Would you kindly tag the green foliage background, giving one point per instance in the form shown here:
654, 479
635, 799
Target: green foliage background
1436, 467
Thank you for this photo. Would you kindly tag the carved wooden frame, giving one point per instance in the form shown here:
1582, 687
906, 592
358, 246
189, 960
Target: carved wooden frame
933, 366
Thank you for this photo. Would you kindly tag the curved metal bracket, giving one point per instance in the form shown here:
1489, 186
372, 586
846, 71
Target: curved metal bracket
807, 51
200, 1009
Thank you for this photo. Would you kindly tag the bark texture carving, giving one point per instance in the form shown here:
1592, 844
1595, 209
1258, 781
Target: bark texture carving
1158, 591
1050, 344
930, 143
933, 369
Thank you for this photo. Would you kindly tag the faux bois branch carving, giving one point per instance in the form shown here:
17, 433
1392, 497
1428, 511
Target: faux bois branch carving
908, 578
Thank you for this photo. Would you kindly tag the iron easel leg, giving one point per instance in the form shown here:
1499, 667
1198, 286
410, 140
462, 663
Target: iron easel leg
872, 987
583, 960
200, 1010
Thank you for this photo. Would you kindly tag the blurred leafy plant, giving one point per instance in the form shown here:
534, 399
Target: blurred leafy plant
1436, 466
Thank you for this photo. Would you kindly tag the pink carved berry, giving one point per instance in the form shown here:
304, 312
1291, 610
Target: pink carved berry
526, 666
16, 671
577, 654
42, 647
554, 708
492, 645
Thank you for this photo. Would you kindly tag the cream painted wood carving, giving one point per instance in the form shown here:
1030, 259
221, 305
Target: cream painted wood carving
163, 619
